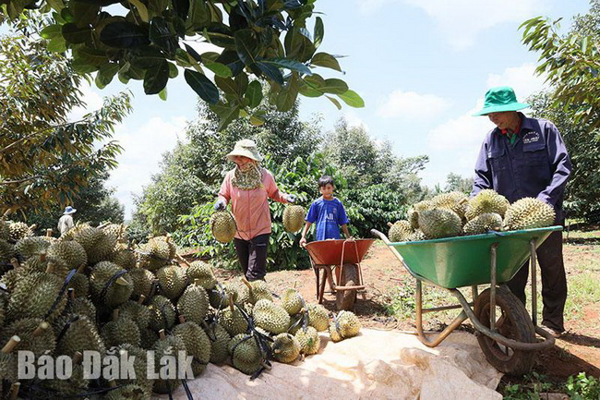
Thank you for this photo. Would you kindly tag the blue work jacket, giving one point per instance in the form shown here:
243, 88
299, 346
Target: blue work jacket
537, 165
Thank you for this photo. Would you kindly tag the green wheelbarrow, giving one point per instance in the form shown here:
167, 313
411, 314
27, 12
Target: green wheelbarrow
505, 331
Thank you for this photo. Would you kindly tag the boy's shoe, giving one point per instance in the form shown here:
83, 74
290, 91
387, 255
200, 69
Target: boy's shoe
555, 333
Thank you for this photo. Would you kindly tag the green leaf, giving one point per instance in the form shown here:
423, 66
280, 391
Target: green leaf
156, 78
219, 69
256, 120
183, 58
226, 113
245, 46
173, 71
352, 98
335, 102
57, 45
289, 93
298, 46
106, 74
73, 34
309, 91
124, 35
319, 32
289, 64
254, 94
141, 9
271, 72
315, 80
228, 86
326, 60
202, 86
161, 35
334, 86
57, 5
51, 31
163, 94
84, 13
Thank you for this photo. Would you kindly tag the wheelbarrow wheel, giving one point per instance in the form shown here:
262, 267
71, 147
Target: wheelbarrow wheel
345, 299
512, 322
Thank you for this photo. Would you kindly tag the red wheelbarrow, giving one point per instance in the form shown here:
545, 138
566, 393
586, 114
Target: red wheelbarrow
344, 256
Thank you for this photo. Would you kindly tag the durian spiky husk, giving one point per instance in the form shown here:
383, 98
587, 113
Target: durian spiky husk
286, 348
77, 333
43, 341
270, 316
486, 201
170, 345
223, 227
292, 301
413, 212
310, 341
483, 223
122, 330
108, 291
318, 317
193, 304
344, 326
293, 218
528, 213
203, 272
30, 246
439, 223
197, 344
246, 356
33, 296
400, 231
172, 280
219, 340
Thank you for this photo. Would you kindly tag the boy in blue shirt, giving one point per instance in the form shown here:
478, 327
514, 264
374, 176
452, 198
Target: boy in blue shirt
327, 213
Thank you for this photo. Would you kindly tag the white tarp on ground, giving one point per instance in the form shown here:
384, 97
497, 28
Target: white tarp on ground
374, 365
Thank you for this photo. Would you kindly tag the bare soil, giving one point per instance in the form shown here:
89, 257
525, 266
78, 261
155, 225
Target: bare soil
577, 351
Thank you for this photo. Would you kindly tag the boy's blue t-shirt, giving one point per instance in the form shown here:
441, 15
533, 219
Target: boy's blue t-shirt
327, 215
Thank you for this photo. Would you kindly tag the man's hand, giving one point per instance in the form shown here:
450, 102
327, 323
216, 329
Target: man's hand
303, 242
290, 198
220, 205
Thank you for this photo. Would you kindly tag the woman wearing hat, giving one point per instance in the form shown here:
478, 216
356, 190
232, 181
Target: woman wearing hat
65, 222
527, 157
248, 186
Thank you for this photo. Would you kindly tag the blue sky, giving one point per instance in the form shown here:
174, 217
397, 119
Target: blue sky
422, 67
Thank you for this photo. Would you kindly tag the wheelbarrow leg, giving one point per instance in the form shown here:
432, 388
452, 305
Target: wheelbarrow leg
330, 279
317, 276
322, 288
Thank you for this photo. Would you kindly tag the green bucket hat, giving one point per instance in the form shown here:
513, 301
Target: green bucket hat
500, 99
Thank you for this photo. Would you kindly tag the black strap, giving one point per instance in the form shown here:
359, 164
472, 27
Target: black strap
60, 293
187, 389
73, 319
109, 282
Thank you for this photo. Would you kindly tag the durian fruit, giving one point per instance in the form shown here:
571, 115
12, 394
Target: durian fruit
528, 213
162, 313
240, 292
74, 385
233, 320
120, 330
124, 257
246, 355
196, 342
223, 226
137, 312
257, 290
218, 297
97, 244
80, 283
453, 201
318, 317
143, 282
297, 321
77, 333
32, 245
2, 310
172, 281
72, 253
118, 231
149, 337
18, 231
34, 296
203, 272
8, 360
80, 305
345, 325
416, 236
167, 345
270, 316
483, 223
7, 251
309, 340
193, 303
219, 340
109, 285
4, 230
486, 201
293, 218
439, 223
140, 367
129, 392
12, 276
413, 213
400, 231
157, 253
292, 301
35, 333
286, 348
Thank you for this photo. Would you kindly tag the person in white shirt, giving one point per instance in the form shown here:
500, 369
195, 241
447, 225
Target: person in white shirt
66, 220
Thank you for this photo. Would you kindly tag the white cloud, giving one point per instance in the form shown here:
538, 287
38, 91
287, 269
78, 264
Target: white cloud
354, 120
460, 21
93, 101
143, 150
522, 79
411, 105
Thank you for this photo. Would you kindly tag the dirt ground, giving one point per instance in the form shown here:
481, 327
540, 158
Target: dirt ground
577, 351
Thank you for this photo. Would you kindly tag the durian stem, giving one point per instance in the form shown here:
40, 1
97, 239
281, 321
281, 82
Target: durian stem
141, 299
230, 298
81, 268
71, 293
247, 283
104, 225
40, 329
182, 260
115, 314
77, 358
161, 334
12, 343
50, 267
389, 224
49, 232
265, 365
121, 281
32, 227
182, 319
196, 281
168, 238
15, 263
43, 257
14, 391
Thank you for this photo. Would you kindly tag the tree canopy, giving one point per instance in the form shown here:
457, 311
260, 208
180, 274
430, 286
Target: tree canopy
152, 40
44, 158
571, 62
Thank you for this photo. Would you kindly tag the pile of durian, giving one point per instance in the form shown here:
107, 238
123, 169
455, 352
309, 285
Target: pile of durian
90, 290
454, 214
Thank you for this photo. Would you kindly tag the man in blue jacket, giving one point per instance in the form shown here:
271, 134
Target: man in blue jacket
527, 157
